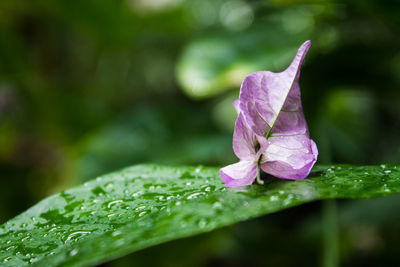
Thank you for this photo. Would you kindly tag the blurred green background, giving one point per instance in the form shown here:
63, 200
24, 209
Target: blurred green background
88, 87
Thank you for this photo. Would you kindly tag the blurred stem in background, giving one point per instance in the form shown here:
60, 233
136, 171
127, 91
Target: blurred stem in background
330, 233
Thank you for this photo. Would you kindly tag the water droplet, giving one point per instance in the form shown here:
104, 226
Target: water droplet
136, 194
288, 200
11, 247
217, 205
76, 235
120, 242
98, 191
208, 188
178, 203
194, 195
73, 252
387, 171
383, 166
25, 239
116, 233
109, 205
140, 208
273, 198
142, 213
33, 260
202, 223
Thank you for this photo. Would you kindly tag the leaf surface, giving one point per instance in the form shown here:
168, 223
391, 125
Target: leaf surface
145, 205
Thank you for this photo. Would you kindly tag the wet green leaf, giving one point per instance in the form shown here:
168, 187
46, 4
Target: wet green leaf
145, 205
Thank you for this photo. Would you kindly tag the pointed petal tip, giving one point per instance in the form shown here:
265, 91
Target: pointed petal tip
307, 43
303, 49
294, 67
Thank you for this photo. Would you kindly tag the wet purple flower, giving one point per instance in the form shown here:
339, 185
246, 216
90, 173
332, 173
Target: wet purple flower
271, 132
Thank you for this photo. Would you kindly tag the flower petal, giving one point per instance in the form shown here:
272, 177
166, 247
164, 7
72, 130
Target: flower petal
239, 174
271, 126
264, 94
289, 157
243, 140
236, 105
253, 92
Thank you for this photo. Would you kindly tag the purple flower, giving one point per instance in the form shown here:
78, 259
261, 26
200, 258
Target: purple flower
271, 132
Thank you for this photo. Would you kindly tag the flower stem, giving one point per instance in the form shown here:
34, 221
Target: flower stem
331, 256
259, 181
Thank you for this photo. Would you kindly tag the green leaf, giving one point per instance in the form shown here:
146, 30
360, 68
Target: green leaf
145, 205
219, 62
